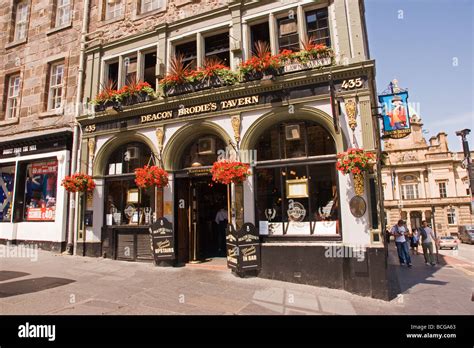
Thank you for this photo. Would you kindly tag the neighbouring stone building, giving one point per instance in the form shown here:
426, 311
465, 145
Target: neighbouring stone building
425, 181
286, 121
39, 56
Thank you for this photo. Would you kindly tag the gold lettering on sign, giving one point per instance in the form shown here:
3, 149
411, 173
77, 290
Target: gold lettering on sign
156, 117
233, 103
197, 109
90, 128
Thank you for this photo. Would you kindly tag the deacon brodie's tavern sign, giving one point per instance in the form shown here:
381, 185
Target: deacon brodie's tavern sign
229, 104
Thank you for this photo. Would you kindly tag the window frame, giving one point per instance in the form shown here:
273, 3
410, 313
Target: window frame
443, 191
161, 4
53, 88
307, 32
12, 102
57, 23
24, 21
107, 7
451, 215
405, 194
280, 18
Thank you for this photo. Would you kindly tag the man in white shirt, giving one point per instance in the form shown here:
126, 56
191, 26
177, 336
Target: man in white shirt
427, 238
399, 231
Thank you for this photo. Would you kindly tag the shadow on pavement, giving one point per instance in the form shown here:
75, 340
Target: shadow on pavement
7, 275
27, 286
402, 278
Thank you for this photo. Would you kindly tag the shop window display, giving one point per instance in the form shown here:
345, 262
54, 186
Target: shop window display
7, 179
296, 195
40, 191
125, 203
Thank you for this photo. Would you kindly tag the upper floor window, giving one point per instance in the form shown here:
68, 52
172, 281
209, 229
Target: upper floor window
150, 5
217, 47
13, 96
288, 37
317, 26
56, 84
21, 21
113, 9
63, 12
189, 52
451, 217
442, 190
409, 191
259, 32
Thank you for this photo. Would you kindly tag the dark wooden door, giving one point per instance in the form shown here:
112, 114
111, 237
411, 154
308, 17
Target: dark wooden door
182, 218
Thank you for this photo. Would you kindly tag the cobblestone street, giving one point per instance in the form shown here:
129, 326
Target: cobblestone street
58, 284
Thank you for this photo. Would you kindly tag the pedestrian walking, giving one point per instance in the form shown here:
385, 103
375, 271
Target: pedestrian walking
387, 235
414, 241
400, 231
427, 238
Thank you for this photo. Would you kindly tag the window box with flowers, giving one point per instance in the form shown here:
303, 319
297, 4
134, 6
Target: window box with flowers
107, 98
261, 65
78, 182
312, 56
356, 162
135, 92
213, 74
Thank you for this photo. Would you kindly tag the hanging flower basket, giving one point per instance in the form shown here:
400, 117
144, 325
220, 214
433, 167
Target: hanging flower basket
78, 182
356, 162
226, 172
149, 176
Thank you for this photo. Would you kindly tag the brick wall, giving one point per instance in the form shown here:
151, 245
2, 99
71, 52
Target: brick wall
31, 60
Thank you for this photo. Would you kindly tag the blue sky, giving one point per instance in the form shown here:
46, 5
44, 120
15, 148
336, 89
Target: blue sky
428, 46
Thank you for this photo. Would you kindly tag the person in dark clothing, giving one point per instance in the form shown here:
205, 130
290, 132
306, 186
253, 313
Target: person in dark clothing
221, 221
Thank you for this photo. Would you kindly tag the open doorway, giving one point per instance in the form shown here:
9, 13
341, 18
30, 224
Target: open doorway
200, 229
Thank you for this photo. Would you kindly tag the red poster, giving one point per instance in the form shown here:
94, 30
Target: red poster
40, 214
50, 167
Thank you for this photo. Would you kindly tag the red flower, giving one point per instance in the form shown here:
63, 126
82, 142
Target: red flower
149, 176
354, 161
226, 172
78, 182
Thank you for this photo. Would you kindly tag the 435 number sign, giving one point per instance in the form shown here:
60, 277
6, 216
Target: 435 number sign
352, 83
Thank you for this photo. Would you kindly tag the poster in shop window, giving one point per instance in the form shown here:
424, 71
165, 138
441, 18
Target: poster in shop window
40, 191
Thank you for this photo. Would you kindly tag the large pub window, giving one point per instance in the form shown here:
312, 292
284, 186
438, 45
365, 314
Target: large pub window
296, 181
259, 32
125, 203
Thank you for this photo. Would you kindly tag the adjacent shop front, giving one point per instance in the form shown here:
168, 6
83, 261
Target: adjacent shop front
32, 201
300, 204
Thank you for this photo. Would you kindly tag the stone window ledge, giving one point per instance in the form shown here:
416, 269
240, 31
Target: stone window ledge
110, 21
140, 15
56, 29
10, 121
51, 113
16, 43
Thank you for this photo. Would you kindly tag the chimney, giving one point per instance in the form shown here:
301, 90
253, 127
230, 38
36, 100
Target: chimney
443, 141
433, 141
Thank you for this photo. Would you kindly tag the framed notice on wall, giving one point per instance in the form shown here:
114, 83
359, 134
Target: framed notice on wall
297, 188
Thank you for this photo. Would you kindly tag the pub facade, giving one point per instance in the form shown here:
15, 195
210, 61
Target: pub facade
288, 124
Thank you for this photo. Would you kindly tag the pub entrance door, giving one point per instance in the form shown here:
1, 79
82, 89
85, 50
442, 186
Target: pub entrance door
198, 200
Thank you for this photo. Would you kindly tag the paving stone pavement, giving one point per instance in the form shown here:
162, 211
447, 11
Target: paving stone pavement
61, 284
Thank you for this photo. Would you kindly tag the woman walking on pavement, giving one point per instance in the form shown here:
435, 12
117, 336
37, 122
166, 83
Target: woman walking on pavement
414, 242
400, 231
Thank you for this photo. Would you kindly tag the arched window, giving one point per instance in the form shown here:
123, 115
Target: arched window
296, 181
125, 203
203, 151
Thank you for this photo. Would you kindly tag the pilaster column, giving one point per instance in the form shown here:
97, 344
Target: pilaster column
422, 185
273, 33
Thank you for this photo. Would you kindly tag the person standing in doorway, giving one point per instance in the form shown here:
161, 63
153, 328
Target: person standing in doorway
427, 238
399, 231
221, 221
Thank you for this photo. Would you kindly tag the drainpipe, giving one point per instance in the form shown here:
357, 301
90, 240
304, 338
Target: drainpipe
75, 144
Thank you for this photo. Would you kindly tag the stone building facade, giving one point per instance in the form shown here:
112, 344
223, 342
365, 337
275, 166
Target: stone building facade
39, 50
287, 123
425, 181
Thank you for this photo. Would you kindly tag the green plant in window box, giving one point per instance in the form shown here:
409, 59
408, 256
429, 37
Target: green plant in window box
107, 97
176, 81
